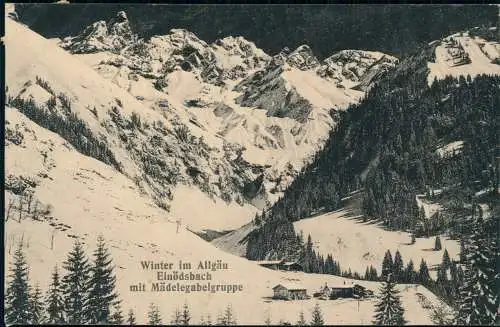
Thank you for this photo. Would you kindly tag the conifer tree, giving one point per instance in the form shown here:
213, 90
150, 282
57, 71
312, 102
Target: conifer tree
102, 285
437, 244
176, 317
373, 273
367, 273
398, 266
317, 316
17, 309
387, 264
186, 316
423, 273
478, 300
446, 262
75, 286
410, 273
131, 317
463, 258
388, 310
229, 317
54, 300
117, 315
154, 317
36, 306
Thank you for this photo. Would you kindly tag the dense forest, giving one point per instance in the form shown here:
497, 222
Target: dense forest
394, 29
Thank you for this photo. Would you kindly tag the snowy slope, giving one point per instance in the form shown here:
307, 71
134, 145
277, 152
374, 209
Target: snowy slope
354, 243
107, 110
357, 245
89, 198
462, 55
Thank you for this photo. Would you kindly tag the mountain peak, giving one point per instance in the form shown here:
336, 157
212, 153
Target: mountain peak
102, 36
303, 58
121, 16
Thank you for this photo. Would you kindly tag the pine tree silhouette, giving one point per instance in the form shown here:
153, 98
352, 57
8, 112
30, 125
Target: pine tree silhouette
186, 316
55, 307
102, 285
317, 316
17, 308
388, 310
75, 286
478, 300
154, 317
36, 306
117, 314
131, 317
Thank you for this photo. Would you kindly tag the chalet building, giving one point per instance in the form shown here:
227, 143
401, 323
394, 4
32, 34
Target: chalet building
280, 265
271, 264
343, 291
290, 292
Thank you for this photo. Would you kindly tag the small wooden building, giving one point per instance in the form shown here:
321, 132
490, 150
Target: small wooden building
342, 291
271, 264
290, 292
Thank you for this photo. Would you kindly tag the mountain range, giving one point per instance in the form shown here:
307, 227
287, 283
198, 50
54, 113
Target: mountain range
175, 147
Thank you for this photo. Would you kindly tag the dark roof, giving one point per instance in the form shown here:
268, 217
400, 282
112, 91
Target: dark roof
290, 287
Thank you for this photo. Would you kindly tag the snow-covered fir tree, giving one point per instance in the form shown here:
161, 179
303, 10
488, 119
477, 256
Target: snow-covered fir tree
317, 316
102, 285
176, 317
186, 316
154, 317
387, 264
398, 266
446, 262
478, 297
388, 310
75, 286
423, 272
131, 317
17, 308
36, 306
410, 274
117, 314
54, 300
229, 316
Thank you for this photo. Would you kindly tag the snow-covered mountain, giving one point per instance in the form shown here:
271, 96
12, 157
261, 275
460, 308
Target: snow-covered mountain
358, 243
98, 150
465, 53
266, 115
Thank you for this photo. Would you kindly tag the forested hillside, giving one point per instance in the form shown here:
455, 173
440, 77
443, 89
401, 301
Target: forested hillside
391, 146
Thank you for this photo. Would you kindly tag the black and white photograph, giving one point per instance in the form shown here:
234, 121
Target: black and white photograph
251, 164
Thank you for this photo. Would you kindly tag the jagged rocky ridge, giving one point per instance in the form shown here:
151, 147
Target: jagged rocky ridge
233, 73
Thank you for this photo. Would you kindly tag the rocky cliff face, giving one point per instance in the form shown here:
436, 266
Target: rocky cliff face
260, 117
100, 36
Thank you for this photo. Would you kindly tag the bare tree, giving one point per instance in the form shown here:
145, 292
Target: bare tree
35, 210
9, 208
29, 197
52, 239
20, 208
